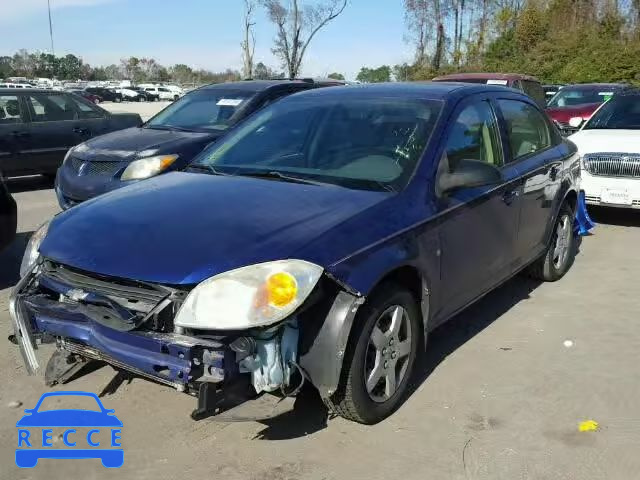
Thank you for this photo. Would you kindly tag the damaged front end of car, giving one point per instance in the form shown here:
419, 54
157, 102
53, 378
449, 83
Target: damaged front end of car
142, 328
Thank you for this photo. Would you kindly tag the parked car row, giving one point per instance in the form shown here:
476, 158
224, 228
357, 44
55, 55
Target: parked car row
38, 127
307, 235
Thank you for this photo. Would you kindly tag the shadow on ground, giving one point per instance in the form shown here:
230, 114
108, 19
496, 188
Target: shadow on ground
10, 260
309, 413
29, 184
623, 217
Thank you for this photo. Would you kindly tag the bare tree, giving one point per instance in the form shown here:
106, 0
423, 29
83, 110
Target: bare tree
249, 43
296, 25
418, 19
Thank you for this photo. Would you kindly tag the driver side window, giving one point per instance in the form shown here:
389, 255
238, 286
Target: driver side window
474, 136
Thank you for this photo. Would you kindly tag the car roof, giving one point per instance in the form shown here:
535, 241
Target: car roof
30, 90
251, 85
417, 90
484, 76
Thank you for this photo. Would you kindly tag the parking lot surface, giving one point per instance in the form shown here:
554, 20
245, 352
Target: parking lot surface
146, 110
500, 394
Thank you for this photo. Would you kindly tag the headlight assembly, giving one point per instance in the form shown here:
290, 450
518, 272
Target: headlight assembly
252, 296
31, 252
148, 167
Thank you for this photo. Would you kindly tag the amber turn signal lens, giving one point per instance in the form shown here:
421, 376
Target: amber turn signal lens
282, 289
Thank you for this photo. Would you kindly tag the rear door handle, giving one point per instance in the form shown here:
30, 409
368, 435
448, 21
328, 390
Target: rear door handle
509, 196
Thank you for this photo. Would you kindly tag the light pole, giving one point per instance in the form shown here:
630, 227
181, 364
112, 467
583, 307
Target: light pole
50, 28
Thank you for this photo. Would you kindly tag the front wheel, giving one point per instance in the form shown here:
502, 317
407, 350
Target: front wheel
561, 251
380, 357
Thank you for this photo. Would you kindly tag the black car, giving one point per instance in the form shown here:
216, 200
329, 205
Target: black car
148, 96
168, 141
106, 94
8, 216
37, 128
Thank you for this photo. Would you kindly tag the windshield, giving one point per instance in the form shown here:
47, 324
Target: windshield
569, 97
363, 143
212, 109
621, 112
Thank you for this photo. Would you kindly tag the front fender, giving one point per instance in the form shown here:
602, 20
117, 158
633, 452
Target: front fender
357, 276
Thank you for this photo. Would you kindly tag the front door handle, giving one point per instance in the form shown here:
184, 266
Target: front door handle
509, 196
81, 131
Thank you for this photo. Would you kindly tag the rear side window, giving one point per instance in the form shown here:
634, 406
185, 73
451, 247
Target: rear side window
535, 91
527, 130
9, 110
474, 136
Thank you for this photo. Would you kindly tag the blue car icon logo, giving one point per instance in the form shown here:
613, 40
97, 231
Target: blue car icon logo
96, 428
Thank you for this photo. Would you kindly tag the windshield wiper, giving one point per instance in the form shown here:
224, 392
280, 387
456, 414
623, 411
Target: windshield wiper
274, 174
167, 127
201, 167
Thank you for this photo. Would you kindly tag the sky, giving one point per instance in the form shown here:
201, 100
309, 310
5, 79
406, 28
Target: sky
200, 33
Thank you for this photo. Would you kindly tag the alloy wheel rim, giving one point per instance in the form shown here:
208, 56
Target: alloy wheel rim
562, 243
387, 355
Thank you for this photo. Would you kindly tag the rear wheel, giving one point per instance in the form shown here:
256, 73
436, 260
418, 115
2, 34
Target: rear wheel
175, 97
561, 251
380, 358
117, 99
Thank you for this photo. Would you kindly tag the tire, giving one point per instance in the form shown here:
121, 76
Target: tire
355, 401
557, 260
96, 101
176, 97
117, 99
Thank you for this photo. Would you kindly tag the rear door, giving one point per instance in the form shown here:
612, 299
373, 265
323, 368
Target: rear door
52, 131
479, 226
13, 134
532, 148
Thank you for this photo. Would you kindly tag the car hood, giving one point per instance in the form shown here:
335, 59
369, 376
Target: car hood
182, 228
130, 142
69, 418
598, 141
564, 114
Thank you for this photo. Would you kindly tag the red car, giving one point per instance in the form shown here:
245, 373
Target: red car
89, 96
525, 83
574, 104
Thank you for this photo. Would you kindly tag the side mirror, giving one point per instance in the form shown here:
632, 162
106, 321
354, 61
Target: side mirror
467, 174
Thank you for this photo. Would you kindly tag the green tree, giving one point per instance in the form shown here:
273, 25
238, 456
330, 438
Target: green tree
336, 76
374, 75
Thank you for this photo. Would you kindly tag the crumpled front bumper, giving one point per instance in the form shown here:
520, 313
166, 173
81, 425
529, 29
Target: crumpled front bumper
170, 358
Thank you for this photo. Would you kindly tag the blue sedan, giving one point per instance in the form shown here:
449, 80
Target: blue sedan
319, 242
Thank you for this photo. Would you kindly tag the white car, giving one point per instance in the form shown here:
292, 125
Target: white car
163, 92
609, 147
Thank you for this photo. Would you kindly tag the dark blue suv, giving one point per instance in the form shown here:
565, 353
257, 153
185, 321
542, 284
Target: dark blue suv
319, 241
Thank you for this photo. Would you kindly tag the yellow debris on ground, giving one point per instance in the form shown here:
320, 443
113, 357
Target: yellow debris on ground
588, 426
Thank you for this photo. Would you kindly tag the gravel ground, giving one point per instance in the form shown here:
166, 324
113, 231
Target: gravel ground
500, 394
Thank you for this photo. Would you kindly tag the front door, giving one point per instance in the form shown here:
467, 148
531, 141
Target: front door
478, 229
13, 135
53, 130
